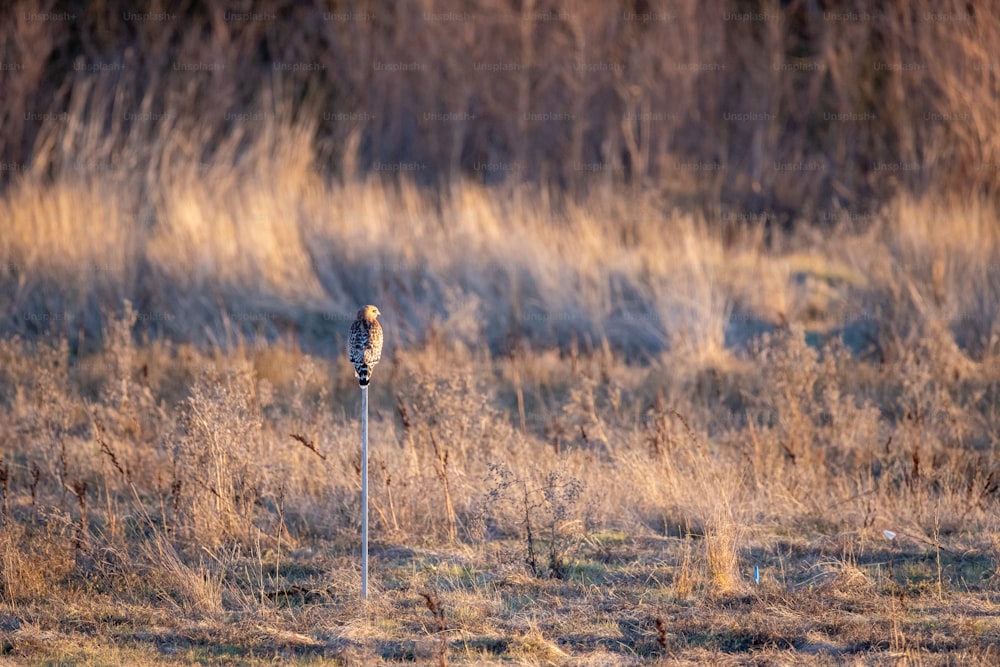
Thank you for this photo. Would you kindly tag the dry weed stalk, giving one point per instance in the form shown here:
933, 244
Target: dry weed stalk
4, 490
661, 632
36, 475
79, 489
441, 468
387, 479
433, 601
308, 444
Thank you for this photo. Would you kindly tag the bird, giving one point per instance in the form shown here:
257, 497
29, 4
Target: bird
364, 345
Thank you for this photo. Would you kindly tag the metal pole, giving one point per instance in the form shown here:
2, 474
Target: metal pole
364, 493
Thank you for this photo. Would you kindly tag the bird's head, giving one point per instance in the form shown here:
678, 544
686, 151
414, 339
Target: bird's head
368, 313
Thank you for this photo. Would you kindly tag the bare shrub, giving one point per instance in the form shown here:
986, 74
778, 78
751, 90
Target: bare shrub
447, 422
542, 512
220, 469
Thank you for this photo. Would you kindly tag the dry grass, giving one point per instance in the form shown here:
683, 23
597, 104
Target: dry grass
764, 108
691, 461
722, 403
604, 405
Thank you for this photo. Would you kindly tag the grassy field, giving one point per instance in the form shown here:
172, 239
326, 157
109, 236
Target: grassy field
671, 444
663, 383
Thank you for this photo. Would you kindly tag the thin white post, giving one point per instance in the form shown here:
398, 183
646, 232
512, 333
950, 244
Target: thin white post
364, 493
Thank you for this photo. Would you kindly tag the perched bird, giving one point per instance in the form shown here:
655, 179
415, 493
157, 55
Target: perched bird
364, 345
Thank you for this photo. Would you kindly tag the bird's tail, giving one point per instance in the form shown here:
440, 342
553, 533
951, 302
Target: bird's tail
364, 373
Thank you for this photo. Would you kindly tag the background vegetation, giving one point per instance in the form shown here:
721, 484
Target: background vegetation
686, 305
